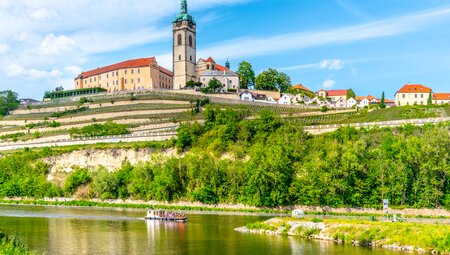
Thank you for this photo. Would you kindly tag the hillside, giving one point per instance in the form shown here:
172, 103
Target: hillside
262, 161
155, 116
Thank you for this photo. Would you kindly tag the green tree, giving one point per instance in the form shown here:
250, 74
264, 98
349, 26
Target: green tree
271, 79
213, 86
350, 94
246, 75
8, 102
430, 99
382, 104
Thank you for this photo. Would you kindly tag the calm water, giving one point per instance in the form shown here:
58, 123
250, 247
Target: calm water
53, 230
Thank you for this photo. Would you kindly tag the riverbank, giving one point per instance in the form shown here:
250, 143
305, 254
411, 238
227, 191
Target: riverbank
228, 208
9, 245
401, 236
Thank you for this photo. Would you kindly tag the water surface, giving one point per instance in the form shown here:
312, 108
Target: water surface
61, 230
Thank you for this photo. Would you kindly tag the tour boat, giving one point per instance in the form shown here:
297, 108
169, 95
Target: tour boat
165, 215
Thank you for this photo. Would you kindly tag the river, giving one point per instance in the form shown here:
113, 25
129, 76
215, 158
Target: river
63, 230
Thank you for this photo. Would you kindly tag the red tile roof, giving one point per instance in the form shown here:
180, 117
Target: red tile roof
414, 88
140, 62
335, 93
165, 71
301, 87
222, 68
441, 96
210, 60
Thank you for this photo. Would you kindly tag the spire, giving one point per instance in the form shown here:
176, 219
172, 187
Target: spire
184, 7
227, 64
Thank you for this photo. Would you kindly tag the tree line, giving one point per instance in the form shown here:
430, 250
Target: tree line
266, 161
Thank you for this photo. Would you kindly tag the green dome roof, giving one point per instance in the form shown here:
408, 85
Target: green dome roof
184, 17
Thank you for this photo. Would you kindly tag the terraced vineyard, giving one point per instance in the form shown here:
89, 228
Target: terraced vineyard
143, 114
157, 112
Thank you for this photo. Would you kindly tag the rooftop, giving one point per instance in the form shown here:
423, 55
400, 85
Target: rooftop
414, 88
134, 63
441, 96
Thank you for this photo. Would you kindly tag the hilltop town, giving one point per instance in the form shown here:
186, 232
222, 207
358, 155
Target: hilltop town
206, 76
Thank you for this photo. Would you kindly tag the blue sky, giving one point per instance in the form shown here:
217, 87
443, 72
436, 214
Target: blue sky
368, 45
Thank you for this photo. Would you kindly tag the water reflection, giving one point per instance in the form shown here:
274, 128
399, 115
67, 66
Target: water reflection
166, 235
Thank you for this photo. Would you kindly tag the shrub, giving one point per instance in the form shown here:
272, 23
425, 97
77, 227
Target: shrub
68, 112
109, 128
76, 179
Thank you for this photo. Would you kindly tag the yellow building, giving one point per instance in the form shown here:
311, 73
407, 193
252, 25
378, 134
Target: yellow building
136, 74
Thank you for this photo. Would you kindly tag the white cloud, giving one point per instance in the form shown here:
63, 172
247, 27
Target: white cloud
352, 9
43, 14
3, 48
328, 83
332, 64
21, 37
16, 70
73, 70
252, 46
56, 45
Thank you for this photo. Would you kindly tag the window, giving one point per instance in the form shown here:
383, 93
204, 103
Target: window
207, 67
125, 81
190, 58
85, 81
132, 81
415, 95
125, 71
132, 71
179, 57
139, 80
117, 73
179, 39
190, 40
139, 70
90, 79
107, 76
107, 84
421, 95
403, 95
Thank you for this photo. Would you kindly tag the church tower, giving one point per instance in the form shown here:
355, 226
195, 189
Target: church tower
184, 48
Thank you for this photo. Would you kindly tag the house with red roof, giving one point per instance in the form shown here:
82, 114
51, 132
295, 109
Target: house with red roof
441, 98
135, 74
337, 98
413, 94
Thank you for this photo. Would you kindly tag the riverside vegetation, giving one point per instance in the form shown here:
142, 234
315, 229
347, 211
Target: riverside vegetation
265, 161
9, 245
400, 235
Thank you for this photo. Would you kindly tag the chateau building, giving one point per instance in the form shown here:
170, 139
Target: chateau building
136, 74
412, 94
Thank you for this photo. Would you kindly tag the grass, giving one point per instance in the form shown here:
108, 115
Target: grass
82, 203
10, 245
87, 111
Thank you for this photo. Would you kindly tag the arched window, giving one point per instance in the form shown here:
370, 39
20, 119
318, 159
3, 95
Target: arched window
207, 67
179, 57
190, 40
180, 39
